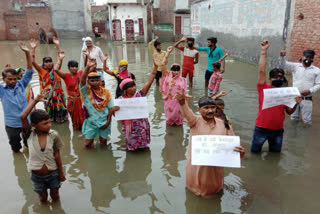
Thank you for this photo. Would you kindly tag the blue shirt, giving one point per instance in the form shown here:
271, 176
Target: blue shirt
14, 100
215, 56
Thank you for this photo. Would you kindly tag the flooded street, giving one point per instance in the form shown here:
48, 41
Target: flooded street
110, 180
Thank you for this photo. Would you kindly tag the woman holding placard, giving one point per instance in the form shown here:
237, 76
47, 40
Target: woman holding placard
172, 83
136, 131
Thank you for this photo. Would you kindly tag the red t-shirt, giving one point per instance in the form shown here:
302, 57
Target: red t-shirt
270, 118
188, 57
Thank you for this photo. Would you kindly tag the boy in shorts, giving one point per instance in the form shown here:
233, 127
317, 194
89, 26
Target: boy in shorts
44, 152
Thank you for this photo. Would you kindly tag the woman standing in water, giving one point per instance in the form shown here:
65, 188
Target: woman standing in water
72, 81
172, 83
137, 131
50, 81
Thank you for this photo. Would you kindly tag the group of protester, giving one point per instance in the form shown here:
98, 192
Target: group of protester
91, 106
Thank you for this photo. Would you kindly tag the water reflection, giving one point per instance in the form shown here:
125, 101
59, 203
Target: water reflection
133, 177
173, 152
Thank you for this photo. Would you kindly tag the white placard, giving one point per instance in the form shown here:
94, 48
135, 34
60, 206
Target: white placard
215, 150
280, 96
131, 108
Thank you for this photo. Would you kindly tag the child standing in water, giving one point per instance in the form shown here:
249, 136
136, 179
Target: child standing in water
44, 152
216, 77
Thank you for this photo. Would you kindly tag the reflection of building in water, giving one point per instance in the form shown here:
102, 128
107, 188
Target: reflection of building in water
103, 177
173, 152
133, 177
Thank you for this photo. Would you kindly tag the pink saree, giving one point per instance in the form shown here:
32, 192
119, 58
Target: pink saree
170, 86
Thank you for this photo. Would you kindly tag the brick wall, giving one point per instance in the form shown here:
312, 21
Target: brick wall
25, 25
37, 17
16, 26
4, 5
306, 30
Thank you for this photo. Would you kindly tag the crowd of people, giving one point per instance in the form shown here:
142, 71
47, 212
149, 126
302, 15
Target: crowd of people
91, 106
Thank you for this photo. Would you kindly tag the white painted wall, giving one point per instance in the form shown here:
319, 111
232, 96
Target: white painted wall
182, 4
128, 11
239, 17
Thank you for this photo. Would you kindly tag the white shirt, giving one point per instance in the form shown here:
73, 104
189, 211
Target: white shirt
303, 78
95, 53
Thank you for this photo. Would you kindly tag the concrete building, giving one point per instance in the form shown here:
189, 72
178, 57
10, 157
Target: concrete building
182, 18
71, 19
128, 20
241, 25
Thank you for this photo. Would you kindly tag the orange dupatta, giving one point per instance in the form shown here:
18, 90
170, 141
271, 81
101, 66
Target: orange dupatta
102, 93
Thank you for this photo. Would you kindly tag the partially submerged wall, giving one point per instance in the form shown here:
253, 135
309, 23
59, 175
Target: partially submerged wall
71, 19
240, 26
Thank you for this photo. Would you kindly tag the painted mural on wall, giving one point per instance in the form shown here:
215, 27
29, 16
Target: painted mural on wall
239, 17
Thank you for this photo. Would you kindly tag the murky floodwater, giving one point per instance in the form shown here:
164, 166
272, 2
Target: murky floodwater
109, 180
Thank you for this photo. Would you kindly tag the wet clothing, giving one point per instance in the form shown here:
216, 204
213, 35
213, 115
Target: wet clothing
38, 157
170, 86
304, 79
56, 105
137, 131
14, 135
260, 135
269, 124
213, 56
205, 181
74, 105
42, 183
189, 56
97, 108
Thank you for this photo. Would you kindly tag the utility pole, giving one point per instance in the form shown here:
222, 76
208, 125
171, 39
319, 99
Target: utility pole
152, 23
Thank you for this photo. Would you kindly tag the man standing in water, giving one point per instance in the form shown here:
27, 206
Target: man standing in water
269, 122
14, 100
306, 78
190, 57
158, 55
214, 54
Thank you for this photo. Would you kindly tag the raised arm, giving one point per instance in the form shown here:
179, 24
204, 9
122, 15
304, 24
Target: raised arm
27, 77
164, 61
151, 44
149, 82
187, 113
57, 43
284, 64
183, 39
90, 65
57, 66
105, 68
262, 78
33, 44
23, 46
29, 108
